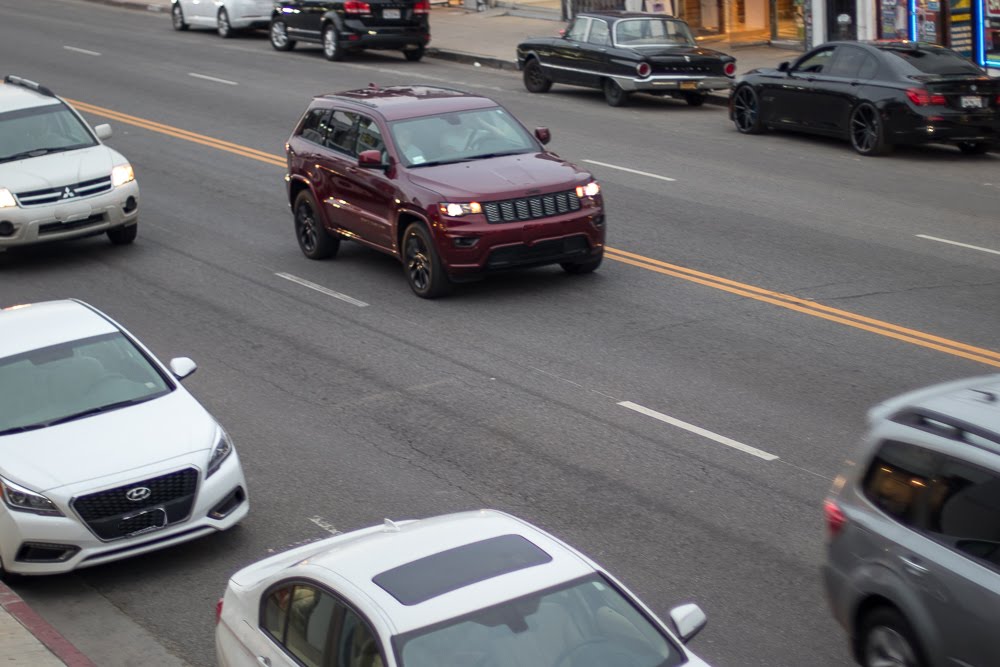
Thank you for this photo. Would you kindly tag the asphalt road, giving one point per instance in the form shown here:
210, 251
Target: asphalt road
507, 394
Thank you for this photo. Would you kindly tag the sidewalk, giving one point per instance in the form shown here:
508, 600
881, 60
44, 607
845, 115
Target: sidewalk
27, 640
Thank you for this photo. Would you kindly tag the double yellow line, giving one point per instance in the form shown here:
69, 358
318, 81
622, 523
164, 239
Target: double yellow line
787, 301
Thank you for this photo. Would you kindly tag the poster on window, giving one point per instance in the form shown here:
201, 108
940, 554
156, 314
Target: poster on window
993, 8
893, 20
960, 26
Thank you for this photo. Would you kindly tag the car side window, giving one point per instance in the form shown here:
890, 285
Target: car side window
357, 645
815, 62
314, 126
599, 33
897, 480
343, 133
847, 62
578, 31
370, 137
299, 617
963, 510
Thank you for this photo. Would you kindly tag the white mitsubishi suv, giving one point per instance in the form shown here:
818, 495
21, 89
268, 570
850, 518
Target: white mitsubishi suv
57, 180
103, 454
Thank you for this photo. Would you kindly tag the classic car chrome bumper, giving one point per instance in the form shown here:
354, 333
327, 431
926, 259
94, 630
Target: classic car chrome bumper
678, 82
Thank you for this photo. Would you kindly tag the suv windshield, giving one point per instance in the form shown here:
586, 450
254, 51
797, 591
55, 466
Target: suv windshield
930, 60
586, 623
460, 136
71, 380
652, 32
41, 130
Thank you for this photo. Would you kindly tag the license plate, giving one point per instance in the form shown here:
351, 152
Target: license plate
689, 85
390, 13
972, 102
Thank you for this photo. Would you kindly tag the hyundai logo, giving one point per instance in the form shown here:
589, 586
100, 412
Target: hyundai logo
138, 493
68, 193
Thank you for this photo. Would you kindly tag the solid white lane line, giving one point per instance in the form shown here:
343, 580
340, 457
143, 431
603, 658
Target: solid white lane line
721, 439
84, 51
323, 290
212, 78
960, 245
631, 171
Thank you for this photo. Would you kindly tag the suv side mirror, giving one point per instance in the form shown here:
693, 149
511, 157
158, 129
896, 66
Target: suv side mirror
783, 67
689, 620
103, 131
182, 367
543, 135
371, 160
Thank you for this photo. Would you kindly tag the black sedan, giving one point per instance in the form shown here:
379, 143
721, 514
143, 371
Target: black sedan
875, 95
625, 52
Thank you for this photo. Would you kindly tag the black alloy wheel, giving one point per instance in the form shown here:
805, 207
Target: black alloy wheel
974, 147
886, 640
535, 80
746, 111
123, 235
279, 36
331, 44
580, 268
222, 25
613, 93
414, 55
695, 99
424, 271
314, 241
867, 131
177, 17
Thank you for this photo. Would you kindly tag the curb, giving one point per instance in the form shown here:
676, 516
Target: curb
40, 628
133, 4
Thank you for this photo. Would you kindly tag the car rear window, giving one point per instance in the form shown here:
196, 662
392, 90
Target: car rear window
925, 60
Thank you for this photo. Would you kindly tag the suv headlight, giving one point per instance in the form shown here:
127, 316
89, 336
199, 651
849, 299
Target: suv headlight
223, 448
6, 198
458, 210
591, 189
21, 499
122, 174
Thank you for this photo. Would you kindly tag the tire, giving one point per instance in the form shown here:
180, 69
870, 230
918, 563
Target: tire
279, 36
177, 17
222, 25
867, 131
331, 44
885, 637
580, 268
123, 235
421, 263
613, 93
974, 147
746, 110
695, 99
535, 80
414, 55
314, 241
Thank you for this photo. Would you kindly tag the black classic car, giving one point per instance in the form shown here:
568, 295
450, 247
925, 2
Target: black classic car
342, 26
875, 95
625, 52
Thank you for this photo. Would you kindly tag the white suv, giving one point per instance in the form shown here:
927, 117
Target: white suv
57, 180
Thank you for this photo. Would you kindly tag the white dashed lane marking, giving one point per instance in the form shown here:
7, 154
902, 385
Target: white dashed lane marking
960, 245
213, 79
86, 52
322, 290
630, 170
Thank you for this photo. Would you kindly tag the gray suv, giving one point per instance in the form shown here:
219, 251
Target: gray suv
913, 557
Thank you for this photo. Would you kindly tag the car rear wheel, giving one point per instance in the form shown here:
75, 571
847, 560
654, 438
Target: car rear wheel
177, 17
613, 93
123, 235
414, 55
279, 36
867, 131
535, 80
314, 241
695, 99
746, 111
222, 25
973, 147
424, 271
579, 268
886, 640
331, 44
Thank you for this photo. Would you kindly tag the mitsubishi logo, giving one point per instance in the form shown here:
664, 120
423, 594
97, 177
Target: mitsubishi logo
68, 193
138, 493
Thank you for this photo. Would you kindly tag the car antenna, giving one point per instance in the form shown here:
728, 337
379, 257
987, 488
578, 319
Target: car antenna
373, 85
390, 526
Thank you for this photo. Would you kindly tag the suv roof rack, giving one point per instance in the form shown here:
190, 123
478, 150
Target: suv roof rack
27, 83
946, 426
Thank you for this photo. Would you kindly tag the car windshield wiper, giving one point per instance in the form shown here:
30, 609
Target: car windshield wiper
37, 152
22, 429
484, 156
435, 163
98, 410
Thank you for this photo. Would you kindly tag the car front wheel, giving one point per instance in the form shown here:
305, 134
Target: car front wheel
279, 36
535, 80
314, 241
746, 111
123, 235
177, 17
424, 271
886, 640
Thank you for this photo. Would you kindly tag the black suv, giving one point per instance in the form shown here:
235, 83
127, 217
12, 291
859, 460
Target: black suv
351, 25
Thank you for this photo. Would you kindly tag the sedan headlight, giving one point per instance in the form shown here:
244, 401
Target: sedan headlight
591, 189
21, 499
458, 210
122, 174
223, 448
6, 199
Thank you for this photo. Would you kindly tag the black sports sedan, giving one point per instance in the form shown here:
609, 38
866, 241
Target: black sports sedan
875, 95
625, 52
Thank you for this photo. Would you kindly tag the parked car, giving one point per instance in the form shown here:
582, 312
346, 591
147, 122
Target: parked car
625, 52
913, 555
346, 26
105, 454
226, 17
475, 588
448, 182
57, 180
875, 95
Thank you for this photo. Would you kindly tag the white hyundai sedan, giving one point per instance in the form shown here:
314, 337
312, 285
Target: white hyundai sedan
103, 454
476, 589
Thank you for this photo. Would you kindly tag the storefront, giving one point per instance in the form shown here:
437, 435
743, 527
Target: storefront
746, 20
988, 40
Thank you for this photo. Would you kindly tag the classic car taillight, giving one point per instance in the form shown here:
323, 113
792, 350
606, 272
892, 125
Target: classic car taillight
422, 7
922, 98
356, 7
729, 69
643, 69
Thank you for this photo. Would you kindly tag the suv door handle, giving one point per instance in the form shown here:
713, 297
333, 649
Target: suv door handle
263, 660
913, 566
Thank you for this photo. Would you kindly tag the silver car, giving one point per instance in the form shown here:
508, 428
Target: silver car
913, 557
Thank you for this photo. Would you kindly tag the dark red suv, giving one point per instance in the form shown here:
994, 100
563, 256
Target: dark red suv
449, 182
